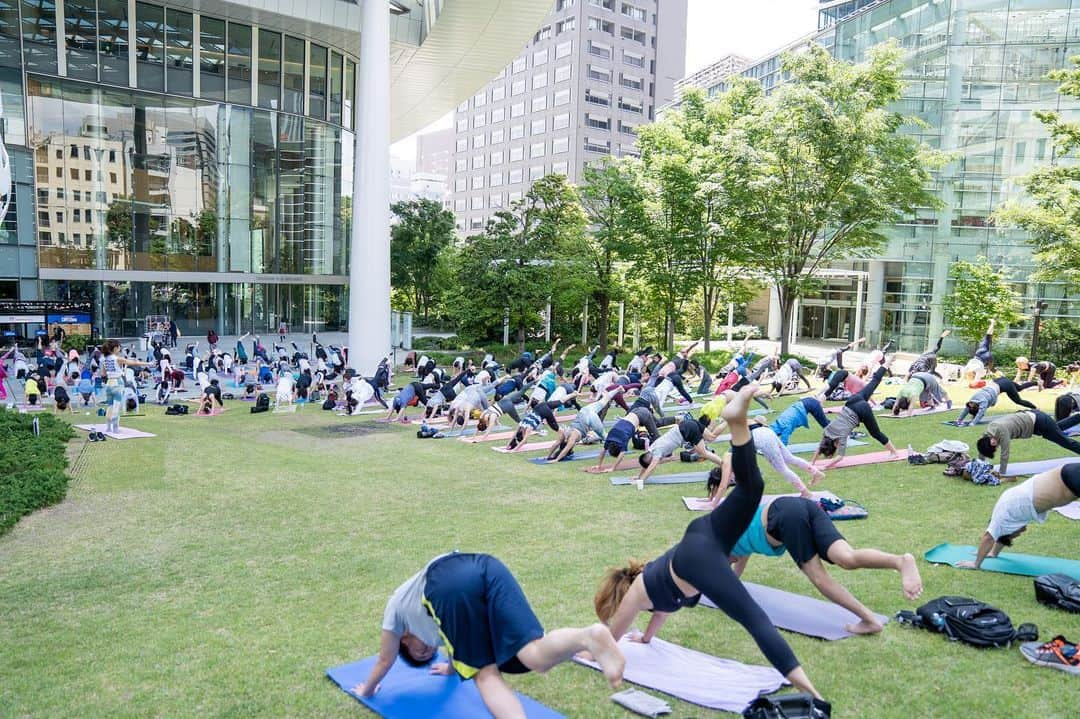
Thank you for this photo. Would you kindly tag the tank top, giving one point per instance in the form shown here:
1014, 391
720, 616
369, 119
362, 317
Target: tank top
112, 368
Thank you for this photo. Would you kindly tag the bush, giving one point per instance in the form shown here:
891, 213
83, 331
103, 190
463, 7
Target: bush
79, 342
716, 359
32, 467
423, 344
1059, 342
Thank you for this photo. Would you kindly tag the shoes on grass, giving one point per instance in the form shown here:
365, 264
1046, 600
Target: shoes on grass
1058, 653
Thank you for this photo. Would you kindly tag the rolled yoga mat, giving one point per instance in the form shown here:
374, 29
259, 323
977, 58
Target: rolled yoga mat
802, 614
693, 676
1026, 565
411, 692
1020, 469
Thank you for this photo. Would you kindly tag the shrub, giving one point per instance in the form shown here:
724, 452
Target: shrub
32, 467
79, 342
1059, 341
422, 344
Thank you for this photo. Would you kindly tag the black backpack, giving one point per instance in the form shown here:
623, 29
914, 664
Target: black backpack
1058, 590
786, 706
262, 403
969, 621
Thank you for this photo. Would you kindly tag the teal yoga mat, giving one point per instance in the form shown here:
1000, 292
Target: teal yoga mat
680, 478
1027, 565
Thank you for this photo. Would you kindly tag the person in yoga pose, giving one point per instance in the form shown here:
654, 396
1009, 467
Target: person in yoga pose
112, 371
777, 454
987, 397
842, 384
1065, 405
836, 357
788, 376
538, 413
855, 411
1044, 372
1023, 425
624, 432
472, 605
798, 415
410, 395
589, 420
927, 361
921, 387
977, 366
699, 565
688, 431
1027, 502
211, 398
800, 526
491, 417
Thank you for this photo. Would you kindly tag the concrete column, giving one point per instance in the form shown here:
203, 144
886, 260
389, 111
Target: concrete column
858, 308
937, 297
730, 322
875, 297
794, 326
773, 330
369, 271
622, 313
585, 325
547, 322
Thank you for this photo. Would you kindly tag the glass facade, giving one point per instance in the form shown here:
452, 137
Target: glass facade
186, 180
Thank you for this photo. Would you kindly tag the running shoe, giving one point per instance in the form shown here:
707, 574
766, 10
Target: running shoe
1058, 653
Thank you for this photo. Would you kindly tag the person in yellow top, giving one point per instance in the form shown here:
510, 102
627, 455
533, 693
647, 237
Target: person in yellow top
32, 391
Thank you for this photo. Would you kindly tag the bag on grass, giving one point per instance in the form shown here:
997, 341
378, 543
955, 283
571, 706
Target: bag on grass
955, 467
1058, 590
967, 620
980, 472
262, 403
785, 706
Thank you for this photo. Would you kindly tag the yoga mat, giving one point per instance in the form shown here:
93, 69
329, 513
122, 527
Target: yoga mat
1020, 469
411, 692
575, 456
858, 460
1069, 511
534, 447
952, 423
701, 504
493, 437
124, 433
693, 676
1027, 565
811, 447
680, 478
802, 614
918, 413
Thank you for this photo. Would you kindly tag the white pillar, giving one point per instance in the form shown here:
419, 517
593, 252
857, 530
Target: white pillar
875, 295
775, 320
730, 322
369, 271
585, 325
547, 323
858, 308
506, 326
622, 311
794, 325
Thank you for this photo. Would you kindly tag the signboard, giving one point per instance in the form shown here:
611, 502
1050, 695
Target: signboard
21, 319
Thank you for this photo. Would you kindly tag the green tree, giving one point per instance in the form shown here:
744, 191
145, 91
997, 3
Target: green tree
1051, 211
833, 167
526, 254
423, 231
614, 205
980, 294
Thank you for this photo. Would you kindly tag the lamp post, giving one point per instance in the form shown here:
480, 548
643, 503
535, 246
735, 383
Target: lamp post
1037, 316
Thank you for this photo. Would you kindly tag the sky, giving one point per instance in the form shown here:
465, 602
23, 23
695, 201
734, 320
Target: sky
715, 28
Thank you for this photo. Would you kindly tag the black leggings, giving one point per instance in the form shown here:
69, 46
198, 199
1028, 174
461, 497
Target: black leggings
701, 558
652, 425
1048, 429
1064, 406
1013, 390
1070, 475
508, 404
677, 380
859, 403
835, 380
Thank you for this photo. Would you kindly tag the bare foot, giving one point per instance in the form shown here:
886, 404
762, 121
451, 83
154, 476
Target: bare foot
909, 576
864, 627
738, 404
816, 476
602, 646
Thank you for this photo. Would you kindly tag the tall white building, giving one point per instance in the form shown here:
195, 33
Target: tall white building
593, 72
713, 74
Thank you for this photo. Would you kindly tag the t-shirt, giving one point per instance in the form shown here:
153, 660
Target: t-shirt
714, 407
31, 388
1014, 510
405, 612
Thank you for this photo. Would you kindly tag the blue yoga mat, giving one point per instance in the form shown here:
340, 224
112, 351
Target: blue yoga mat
573, 458
412, 692
1027, 565
1020, 469
680, 478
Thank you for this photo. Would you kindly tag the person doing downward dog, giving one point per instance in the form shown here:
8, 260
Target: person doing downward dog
777, 454
699, 565
927, 361
855, 411
474, 607
688, 431
800, 526
922, 387
1024, 425
987, 397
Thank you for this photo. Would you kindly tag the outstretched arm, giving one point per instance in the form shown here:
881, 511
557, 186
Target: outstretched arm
988, 547
388, 647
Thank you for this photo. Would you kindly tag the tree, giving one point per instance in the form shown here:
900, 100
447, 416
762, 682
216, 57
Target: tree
1051, 212
524, 256
423, 231
613, 201
832, 167
980, 294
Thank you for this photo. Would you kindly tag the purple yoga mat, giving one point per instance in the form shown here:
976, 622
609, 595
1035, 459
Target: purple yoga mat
1069, 511
1020, 469
802, 614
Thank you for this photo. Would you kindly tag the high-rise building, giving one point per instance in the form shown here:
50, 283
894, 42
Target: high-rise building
435, 152
712, 75
593, 72
975, 74
197, 160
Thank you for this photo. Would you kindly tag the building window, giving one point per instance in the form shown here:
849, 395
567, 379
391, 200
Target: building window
461, 164
113, 41
539, 104
633, 60
634, 83
517, 87
478, 182
495, 201
540, 57
150, 46
317, 81
80, 35
497, 157
538, 126
498, 93
179, 52
335, 88
595, 98
600, 25
479, 99
605, 4
496, 136
517, 154
536, 150
479, 120
211, 58
350, 89
269, 69
561, 5
542, 34
293, 75
560, 145
478, 162
39, 35
498, 114
539, 80
463, 124
460, 205
477, 203
560, 122
462, 144
627, 129
562, 74
599, 50
478, 141
599, 74
598, 146
567, 25
515, 178
600, 123
517, 109
636, 13
629, 33
562, 97
495, 180
536, 172
517, 132
563, 49
518, 66
477, 223
630, 105
460, 185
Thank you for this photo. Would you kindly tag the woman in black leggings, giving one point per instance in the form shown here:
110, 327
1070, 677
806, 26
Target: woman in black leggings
856, 411
700, 565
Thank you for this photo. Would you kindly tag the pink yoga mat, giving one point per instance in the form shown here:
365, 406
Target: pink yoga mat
857, 460
124, 433
534, 447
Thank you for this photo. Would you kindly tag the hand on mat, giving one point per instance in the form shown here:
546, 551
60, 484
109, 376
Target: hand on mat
360, 690
635, 636
441, 668
966, 564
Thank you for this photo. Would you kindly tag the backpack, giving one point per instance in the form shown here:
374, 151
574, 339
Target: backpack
785, 706
967, 620
177, 409
262, 403
1058, 590
980, 472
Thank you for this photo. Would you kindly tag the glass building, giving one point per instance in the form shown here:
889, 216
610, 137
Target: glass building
200, 164
975, 74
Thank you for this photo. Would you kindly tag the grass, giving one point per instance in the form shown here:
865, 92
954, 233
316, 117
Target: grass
220, 568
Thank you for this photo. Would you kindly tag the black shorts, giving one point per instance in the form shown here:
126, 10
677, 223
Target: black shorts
1070, 475
481, 611
802, 526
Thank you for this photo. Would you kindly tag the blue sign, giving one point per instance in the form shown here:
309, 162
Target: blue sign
9, 333
41, 333
72, 319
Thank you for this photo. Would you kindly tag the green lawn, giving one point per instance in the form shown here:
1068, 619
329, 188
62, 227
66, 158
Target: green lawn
220, 568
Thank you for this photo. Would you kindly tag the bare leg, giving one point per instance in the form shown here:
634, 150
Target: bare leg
560, 645
845, 556
498, 697
735, 415
799, 679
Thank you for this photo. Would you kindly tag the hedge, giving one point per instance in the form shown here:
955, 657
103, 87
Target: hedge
32, 467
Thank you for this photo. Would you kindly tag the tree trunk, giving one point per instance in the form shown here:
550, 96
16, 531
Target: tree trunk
521, 338
669, 331
787, 303
604, 303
